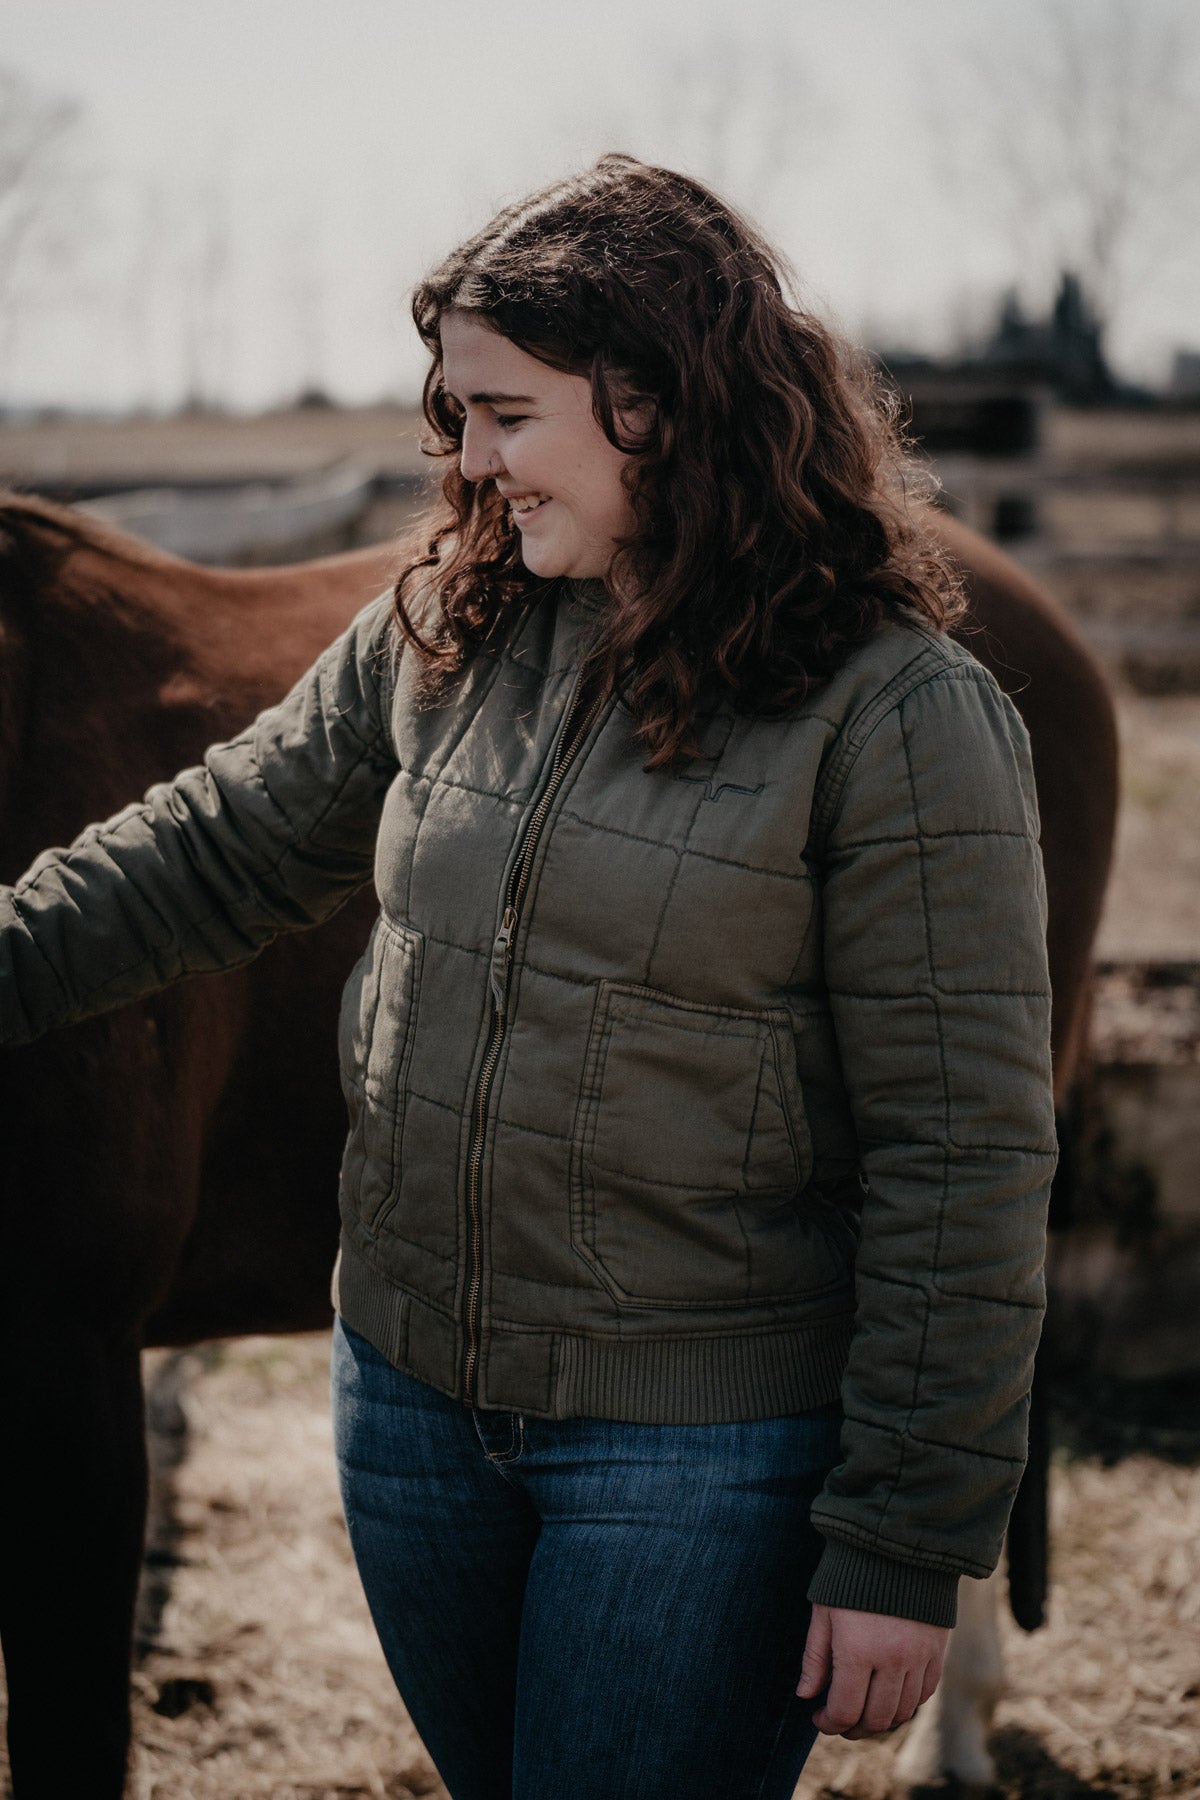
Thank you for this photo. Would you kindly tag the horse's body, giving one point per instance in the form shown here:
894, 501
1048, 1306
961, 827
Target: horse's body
1038, 658
168, 1170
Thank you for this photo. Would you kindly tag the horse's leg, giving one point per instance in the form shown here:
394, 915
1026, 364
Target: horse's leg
949, 1735
72, 1507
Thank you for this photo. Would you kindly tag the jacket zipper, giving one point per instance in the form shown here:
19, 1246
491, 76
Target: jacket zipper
500, 975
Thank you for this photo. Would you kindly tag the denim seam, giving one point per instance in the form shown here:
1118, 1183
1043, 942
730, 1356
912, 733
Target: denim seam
501, 1460
513, 1452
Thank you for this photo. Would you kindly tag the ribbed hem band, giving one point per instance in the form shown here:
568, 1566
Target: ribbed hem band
757, 1373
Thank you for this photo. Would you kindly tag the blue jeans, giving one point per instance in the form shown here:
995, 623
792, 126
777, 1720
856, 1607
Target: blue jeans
581, 1609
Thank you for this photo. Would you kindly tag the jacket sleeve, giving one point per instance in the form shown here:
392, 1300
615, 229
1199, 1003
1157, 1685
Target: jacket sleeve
271, 833
935, 961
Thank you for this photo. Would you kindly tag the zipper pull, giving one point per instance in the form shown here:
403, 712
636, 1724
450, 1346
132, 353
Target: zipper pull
501, 958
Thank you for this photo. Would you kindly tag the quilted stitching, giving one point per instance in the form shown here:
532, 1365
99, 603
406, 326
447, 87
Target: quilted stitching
843, 893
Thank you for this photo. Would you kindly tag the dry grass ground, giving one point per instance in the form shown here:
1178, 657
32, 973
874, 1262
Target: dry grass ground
1105, 1700
267, 1681
266, 1678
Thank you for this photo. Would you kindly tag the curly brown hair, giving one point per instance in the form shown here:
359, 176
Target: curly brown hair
770, 484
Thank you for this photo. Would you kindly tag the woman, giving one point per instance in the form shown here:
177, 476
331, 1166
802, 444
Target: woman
697, 1068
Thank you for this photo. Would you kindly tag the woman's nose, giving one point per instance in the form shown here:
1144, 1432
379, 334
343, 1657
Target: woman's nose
479, 457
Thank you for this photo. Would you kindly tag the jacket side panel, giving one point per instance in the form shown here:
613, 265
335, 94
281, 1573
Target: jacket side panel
935, 960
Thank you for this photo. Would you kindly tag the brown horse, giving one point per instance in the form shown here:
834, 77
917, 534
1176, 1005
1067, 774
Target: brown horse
168, 1171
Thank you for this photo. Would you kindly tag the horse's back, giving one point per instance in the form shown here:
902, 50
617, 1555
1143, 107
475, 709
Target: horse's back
1042, 662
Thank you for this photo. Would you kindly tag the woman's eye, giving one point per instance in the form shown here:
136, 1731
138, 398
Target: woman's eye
507, 420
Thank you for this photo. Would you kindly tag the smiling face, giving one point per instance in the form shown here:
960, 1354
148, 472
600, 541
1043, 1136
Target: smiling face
531, 430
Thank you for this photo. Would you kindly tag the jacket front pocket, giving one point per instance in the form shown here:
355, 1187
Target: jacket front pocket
375, 1032
690, 1150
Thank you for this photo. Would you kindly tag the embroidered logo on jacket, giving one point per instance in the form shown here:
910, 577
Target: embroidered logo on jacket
726, 787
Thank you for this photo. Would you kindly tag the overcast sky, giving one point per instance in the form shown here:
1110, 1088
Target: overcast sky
256, 184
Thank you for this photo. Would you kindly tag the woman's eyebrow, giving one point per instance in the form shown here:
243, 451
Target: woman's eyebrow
493, 399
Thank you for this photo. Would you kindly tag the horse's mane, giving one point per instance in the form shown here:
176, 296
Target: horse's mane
36, 535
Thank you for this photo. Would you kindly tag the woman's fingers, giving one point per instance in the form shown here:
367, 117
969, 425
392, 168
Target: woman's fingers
814, 1669
910, 1696
882, 1669
846, 1698
882, 1704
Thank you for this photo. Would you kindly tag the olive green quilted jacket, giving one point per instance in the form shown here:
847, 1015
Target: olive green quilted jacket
697, 1095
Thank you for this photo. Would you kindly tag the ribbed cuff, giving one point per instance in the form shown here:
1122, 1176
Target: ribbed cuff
867, 1582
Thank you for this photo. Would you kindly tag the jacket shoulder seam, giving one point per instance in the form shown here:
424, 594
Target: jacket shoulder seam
930, 665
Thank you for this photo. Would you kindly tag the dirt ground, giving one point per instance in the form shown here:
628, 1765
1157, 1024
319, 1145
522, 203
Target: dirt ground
266, 1680
265, 1677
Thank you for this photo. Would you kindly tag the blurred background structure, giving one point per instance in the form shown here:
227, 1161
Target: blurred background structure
210, 221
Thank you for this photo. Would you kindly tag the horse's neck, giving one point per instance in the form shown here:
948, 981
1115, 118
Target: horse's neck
124, 670
230, 640
282, 618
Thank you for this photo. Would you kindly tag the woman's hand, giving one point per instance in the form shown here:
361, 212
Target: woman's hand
878, 1669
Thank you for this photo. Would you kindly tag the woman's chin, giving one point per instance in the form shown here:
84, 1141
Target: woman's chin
540, 559
553, 563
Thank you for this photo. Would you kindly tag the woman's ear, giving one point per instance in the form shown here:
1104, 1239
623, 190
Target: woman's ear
636, 420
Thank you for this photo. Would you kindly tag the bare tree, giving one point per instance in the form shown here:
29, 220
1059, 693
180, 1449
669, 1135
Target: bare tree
39, 192
1082, 138
302, 280
144, 272
736, 110
206, 315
